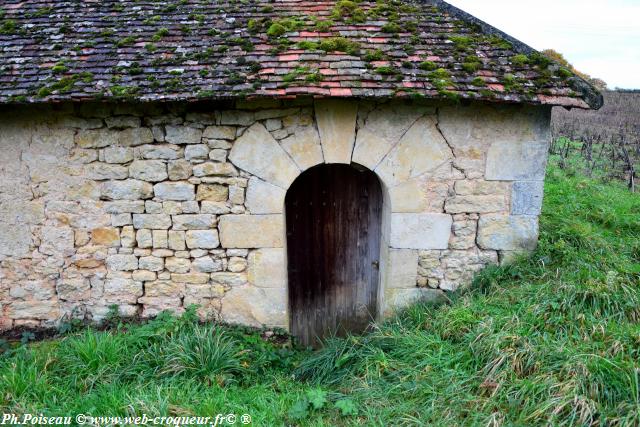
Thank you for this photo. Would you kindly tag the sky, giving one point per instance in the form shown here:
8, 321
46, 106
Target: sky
599, 37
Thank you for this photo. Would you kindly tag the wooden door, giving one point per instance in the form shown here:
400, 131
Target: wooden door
334, 215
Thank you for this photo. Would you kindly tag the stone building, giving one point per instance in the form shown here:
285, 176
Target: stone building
150, 152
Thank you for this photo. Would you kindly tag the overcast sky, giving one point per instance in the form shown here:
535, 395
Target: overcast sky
599, 37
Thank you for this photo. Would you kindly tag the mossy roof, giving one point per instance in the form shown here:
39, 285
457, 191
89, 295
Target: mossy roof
222, 49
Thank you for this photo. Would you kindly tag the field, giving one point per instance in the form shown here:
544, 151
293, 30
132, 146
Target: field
607, 141
553, 339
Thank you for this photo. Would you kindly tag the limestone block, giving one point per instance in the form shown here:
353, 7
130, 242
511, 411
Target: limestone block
259, 154
152, 221
144, 238
160, 239
152, 207
252, 231
197, 278
277, 112
148, 170
135, 136
206, 264
408, 197
179, 170
218, 155
144, 276
517, 161
420, 150
477, 204
121, 262
229, 279
214, 169
96, 138
336, 120
121, 122
273, 124
176, 240
178, 191
397, 299
124, 206
152, 306
382, 130
218, 208
183, 135
236, 264
526, 198
127, 237
101, 171
159, 151
57, 240
85, 156
507, 232
15, 241
420, 231
106, 237
39, 290
164, 288
233, 117
466, 187
236, 194
220, 132
15, 211
45, 310
253, 306
470, 130
151, 263
264, 198
267, 268
177, 265
129, 189
73, 289
196, 152
123, 290
304, 147
464, 232
212, 192
193, 222
202, 239
403, 269
118, 220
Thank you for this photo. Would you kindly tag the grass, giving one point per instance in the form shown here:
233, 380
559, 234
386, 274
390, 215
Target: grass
552, 339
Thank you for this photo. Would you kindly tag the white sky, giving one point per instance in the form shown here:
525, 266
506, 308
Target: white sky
599, 37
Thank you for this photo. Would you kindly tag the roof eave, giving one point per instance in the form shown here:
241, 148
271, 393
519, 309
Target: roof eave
591, 96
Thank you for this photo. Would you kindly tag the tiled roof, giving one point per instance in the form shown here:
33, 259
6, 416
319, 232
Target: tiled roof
220, 49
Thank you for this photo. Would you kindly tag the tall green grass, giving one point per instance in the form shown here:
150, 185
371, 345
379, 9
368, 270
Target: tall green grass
553, 339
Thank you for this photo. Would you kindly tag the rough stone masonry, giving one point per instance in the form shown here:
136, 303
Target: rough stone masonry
155, 207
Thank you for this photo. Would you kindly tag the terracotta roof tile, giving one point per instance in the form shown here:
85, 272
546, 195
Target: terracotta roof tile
208, 49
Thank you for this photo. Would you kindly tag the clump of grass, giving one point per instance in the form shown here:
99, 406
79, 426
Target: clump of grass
386, 70
471, 64
204, 353
462, 43
282, 26
520, 59
349, 11
427, 66
341, 44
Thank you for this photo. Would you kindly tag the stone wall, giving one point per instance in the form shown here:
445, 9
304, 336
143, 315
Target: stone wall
155, 207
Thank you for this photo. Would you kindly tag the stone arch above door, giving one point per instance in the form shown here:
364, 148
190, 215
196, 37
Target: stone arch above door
402, 146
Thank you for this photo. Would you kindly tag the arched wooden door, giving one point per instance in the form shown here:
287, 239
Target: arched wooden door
334, 215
